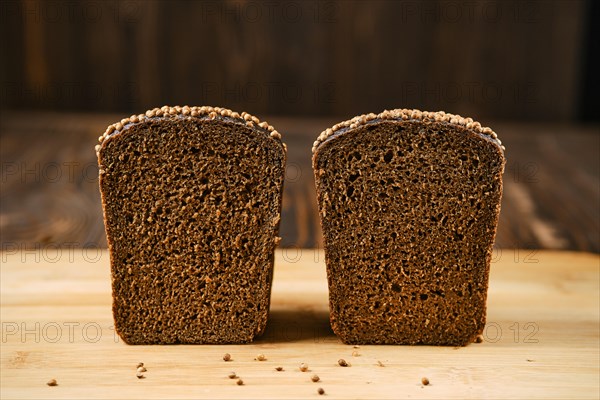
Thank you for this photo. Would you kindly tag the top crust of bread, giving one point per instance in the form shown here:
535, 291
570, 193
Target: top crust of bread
406, 114
189, 112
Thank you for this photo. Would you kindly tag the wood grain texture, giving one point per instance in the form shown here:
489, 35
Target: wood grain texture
508, 59
541, 340
50, 194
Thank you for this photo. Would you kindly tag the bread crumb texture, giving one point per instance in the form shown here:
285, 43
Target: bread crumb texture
409, 205
192, 201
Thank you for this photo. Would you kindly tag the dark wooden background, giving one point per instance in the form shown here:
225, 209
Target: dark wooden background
492, 59
526, 68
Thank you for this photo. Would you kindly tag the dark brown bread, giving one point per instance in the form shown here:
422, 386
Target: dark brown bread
192, 202
409, 203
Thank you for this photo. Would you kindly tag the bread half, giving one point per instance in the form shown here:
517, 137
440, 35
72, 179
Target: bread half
192, 200
409, 204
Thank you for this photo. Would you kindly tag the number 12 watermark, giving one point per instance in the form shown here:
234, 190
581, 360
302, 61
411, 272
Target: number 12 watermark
519, 333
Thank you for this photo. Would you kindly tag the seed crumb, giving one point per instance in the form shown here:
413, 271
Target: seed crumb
227, 357
380, 363
355, 354
52, 382
479, 339
424, 381
321, 391
141, 364
356, 346
240, 382
315, 378
142, 369
140, 375
232, 375
303, 367
342, 362
278, 368
261, 357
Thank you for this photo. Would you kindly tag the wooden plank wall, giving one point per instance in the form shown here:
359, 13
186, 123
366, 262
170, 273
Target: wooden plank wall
489, 59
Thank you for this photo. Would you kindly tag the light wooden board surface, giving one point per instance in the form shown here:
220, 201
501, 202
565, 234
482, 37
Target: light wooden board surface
541, 341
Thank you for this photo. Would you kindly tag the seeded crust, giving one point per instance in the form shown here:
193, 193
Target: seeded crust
405, 114
192, 201
409, 203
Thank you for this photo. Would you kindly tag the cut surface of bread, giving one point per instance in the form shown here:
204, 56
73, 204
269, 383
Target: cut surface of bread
192, 200
409, 203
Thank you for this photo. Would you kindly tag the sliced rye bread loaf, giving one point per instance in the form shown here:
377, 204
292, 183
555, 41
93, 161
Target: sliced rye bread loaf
409, 204
192, 201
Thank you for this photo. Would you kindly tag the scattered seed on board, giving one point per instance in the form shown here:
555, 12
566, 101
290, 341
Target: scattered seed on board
342, 362
140, 364
227, 357
315, 378
52, 382
320, 391
303, 367
261, 357
142, 369
356, 346
140, 375
425, 381
355, 354
380, 363
240, 382
232, 375
278, 368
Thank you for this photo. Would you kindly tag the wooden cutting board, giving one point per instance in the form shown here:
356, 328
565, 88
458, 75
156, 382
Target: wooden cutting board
541, 340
